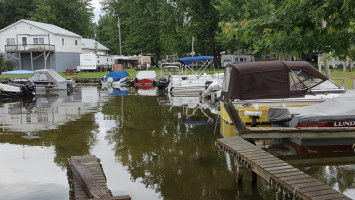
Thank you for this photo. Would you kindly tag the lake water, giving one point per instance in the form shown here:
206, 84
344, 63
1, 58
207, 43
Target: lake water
151, 147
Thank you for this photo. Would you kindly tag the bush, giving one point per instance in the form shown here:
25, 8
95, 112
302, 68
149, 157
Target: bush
6, 65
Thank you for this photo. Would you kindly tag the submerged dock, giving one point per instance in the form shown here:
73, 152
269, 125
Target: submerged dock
285, 178
87, 180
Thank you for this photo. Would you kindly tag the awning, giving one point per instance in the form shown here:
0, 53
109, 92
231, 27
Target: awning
189, 60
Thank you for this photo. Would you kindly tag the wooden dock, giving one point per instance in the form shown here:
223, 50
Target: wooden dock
87, 180
284, 177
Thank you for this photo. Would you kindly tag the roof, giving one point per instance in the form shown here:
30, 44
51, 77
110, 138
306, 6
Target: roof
189, 60
268, 80
47, 27
90, 44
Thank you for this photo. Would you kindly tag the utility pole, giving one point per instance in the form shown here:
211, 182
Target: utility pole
192, 44
119, 34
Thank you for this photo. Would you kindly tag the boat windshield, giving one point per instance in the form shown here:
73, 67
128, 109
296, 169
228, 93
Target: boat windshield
327, 85
300, 80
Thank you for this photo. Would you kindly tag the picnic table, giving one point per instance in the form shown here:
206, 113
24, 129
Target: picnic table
71, 71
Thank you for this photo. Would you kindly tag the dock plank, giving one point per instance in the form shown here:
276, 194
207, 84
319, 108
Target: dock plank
269, 167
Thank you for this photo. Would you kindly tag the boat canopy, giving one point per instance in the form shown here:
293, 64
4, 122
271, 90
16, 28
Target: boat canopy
189, 60
269, 80
47, 75
117, 75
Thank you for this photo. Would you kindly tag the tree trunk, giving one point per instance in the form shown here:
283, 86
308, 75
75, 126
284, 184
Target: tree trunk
350, 64
327, 71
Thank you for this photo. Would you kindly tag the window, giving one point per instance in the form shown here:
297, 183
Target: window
41, 40
300, 80
8, 41
63, 41
76, 42
24, 40
12, 41
35, 40
227, 76
241, 59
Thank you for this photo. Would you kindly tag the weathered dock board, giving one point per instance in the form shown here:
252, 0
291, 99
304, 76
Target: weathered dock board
87, 179
280, 174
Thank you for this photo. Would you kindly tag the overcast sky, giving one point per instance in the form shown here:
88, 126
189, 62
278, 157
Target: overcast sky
96, 5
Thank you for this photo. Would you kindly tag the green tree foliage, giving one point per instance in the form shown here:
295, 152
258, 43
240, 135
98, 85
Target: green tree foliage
297, 26
6, 65
165, 27
73, 15
107, 33
14, 10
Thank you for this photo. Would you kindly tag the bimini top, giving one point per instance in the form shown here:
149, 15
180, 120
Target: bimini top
47, 75
189, 60
269, 80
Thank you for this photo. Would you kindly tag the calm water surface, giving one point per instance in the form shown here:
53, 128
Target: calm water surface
149, 148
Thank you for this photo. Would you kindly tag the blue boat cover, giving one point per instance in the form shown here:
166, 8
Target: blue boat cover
116, 75
118, 92
18, 72
189, 60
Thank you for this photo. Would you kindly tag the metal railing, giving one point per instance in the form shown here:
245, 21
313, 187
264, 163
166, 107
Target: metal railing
29, 47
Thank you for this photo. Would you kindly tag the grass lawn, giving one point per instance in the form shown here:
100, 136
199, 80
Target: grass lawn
338, 75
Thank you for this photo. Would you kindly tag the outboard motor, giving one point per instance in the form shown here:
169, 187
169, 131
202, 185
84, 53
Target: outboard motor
28, 89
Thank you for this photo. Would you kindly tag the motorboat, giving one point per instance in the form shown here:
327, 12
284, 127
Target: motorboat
145, 78
114, 79
193, 82
336, 112
50, 79
255, 87
10, 91
167, 71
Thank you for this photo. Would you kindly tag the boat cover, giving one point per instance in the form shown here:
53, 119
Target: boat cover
266, 80
189, 60
9, 88
118, 92
116, 75
151, 75
341, 108
47, 75
17, 72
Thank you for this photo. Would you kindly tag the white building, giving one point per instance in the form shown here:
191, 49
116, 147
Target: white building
35, 45
92, 46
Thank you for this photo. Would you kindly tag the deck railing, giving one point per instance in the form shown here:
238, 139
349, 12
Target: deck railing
29, 47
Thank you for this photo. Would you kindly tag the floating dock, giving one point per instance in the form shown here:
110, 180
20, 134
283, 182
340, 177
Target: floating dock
87, 180
283, 177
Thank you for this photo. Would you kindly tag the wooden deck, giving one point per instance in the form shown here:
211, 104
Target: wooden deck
87, 180
280, 174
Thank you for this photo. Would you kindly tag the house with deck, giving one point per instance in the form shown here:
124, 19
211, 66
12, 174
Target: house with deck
35, 45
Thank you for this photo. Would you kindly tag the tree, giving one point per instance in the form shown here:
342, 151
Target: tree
107, 33
14, 10
295, 27
73, 15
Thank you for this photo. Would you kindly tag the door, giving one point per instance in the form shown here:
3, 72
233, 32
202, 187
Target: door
24, 40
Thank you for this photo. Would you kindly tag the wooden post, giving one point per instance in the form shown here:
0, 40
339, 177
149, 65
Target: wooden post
239, 172
20, 60
233, 113
31, 60
254, 177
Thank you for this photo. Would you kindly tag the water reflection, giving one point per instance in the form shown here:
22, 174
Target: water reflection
151, 147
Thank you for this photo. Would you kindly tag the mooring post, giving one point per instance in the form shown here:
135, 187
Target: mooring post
239, 171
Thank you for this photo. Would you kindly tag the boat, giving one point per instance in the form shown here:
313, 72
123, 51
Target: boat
336, 112
255, 87
10, 91
18, 72
114, 79
193, 82
167, 71
50, 79
145, 78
